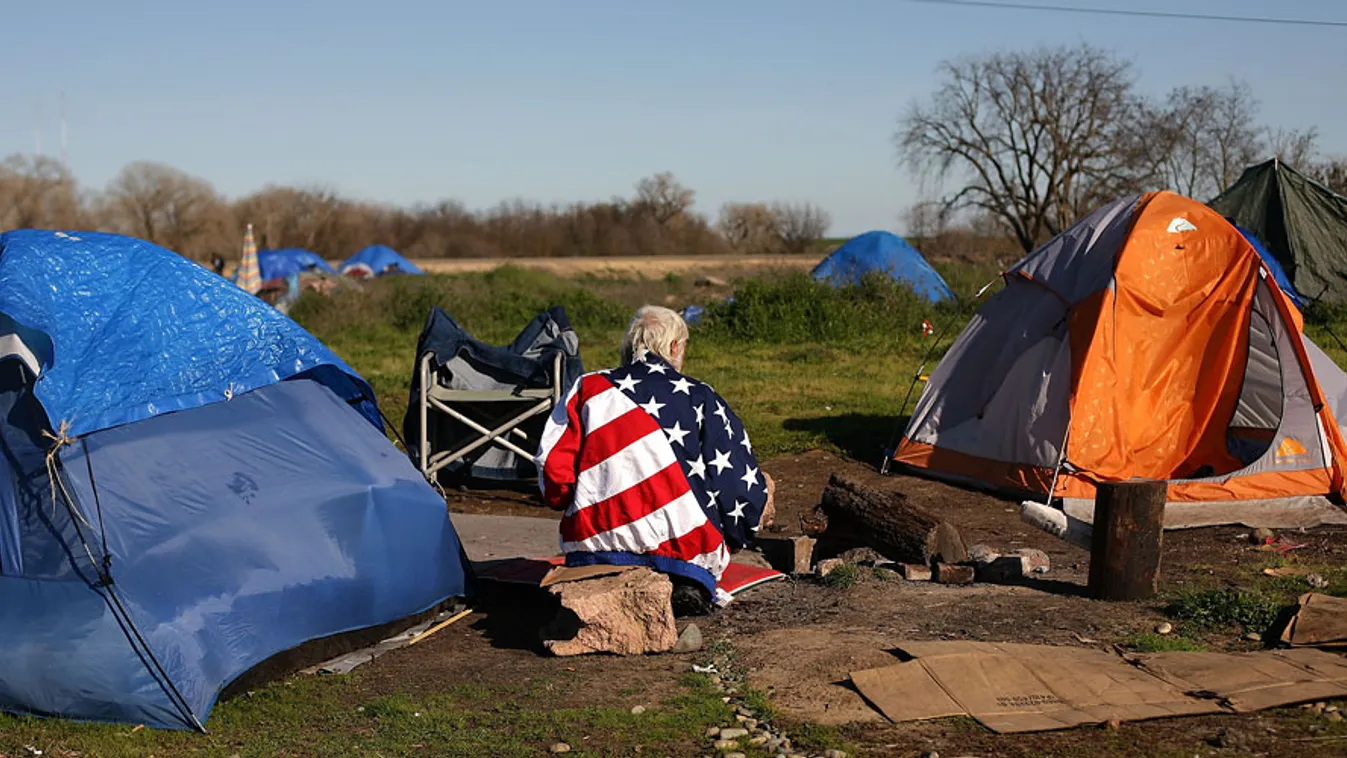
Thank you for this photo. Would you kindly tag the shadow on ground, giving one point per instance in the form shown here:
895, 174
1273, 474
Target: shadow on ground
861, 436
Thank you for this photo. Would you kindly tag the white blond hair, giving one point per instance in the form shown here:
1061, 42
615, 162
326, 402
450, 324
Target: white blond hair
654, 329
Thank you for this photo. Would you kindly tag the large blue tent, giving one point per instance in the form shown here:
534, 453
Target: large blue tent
194, 484
288, 261
887, 253
377, 260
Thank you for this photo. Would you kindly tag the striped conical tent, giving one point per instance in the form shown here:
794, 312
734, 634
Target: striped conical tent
249, 274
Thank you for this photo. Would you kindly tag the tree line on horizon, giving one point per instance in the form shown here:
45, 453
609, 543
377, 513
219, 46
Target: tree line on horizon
185, 213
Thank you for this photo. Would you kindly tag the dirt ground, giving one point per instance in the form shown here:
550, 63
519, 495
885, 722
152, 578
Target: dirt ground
797, 640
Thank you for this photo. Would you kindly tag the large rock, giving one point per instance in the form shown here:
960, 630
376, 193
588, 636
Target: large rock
1035, 561
627, 614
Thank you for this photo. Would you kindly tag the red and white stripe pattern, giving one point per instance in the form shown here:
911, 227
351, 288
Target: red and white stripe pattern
607, 462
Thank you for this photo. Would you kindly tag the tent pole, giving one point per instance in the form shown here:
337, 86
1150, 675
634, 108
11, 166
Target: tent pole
1061, 462
898, 423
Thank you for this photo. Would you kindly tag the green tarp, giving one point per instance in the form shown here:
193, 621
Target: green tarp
1300, 221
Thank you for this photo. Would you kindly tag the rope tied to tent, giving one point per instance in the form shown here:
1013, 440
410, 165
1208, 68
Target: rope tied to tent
60, 439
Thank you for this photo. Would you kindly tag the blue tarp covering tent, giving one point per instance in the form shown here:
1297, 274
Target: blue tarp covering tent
192, 484
887, 253
278, 264
1278, 273
377, 260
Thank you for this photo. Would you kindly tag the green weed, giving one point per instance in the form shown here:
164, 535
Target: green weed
1214, 608
843, 577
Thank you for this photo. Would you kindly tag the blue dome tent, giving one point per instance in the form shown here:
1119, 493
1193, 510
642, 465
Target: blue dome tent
377, 260
194, 485
288, 261
887, 253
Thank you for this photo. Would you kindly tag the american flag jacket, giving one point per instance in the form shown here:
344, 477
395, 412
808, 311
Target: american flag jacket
651, 468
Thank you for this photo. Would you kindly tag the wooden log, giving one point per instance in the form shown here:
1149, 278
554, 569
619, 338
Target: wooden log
887, 522
1126, 538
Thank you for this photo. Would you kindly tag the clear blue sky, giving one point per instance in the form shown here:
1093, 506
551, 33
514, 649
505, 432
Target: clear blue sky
408, 101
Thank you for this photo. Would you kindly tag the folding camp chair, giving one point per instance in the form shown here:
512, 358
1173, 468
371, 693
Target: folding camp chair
478, 410
438, 398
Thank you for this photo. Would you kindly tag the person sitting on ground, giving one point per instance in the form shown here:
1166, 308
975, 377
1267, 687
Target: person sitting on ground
652, 468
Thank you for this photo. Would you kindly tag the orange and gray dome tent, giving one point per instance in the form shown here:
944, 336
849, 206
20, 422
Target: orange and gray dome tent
1148, 341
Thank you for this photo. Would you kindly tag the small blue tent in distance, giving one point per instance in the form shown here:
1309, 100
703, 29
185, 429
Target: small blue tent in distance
884, 252
190, 483
378, 260
288, 261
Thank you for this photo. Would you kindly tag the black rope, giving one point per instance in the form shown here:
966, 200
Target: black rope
397, 436
166, 682
98, 508
105, 583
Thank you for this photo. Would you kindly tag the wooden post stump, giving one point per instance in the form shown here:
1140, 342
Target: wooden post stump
1125, 548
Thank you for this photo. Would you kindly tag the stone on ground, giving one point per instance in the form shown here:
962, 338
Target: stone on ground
626, 614
982, 554
1035, 561
689, 640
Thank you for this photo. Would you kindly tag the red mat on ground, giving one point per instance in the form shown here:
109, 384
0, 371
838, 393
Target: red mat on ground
737, 578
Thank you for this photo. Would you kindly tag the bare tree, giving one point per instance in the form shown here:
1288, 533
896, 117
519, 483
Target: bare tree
1033, 138
749, 228
1332, 173
37, 191
1203, 137
293, 217
1293, 147
799, 226
163, 205
664, 198
925, 219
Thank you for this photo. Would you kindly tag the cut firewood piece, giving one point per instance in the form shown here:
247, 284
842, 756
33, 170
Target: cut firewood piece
887, 522
949, 573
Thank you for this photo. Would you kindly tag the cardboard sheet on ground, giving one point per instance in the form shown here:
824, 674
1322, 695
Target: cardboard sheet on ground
1020, 688
1320, 621
547, 571
1247, 682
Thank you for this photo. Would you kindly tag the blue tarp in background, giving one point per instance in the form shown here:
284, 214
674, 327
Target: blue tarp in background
887, 253
376, 258
278, 264
198, 543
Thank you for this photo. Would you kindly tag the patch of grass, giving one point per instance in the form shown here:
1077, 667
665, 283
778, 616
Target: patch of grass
1150, 642
815, 738
843, 577
758, 702
797, 309
1288, 587
1224, 607
309, 716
